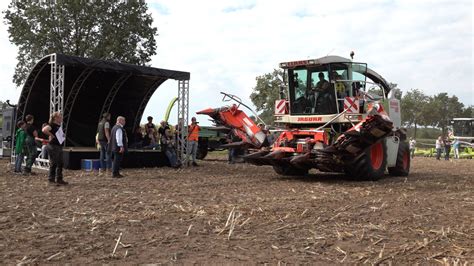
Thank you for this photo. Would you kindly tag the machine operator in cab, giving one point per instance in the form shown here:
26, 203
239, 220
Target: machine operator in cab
325, 103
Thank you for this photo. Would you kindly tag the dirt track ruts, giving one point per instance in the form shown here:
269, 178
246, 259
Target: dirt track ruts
168, 215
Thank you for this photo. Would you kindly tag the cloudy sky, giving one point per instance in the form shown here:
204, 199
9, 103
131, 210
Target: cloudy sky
226, 44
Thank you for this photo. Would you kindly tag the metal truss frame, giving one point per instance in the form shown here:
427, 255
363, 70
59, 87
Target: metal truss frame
183, 115
56, 92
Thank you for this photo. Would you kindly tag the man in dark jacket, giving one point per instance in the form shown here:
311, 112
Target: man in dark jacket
30, 144
103, 138
55, 148
118, 145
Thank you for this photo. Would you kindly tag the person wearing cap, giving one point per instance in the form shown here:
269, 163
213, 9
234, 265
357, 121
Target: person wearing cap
103, 139
193, 138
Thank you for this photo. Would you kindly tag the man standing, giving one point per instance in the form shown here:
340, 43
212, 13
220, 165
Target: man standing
439, 146
193, 138
118, 145
168, 144
412, 145
447, 148
149, 124
103, 137
20, 137
55, 149
30, 144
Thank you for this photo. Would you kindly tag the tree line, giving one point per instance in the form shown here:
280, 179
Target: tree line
435, 111
110, 30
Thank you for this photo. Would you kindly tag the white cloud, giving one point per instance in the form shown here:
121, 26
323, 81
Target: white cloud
226, 44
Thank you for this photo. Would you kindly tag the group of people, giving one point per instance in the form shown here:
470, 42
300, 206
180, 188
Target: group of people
445, 144
442, 145
113, 143
27, 138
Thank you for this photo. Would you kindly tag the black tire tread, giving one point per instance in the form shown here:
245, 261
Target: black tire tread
287, 170
398, 170
361, 169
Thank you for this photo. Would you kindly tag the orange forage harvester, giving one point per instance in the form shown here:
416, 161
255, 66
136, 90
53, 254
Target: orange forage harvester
242, 126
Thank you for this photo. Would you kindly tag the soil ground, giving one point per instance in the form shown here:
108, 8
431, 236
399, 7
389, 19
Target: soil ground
220, 213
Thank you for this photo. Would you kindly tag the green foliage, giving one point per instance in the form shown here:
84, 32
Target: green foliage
113, 30
266, 92
424, 133
441, 109
435, 111
412, 105
468, 112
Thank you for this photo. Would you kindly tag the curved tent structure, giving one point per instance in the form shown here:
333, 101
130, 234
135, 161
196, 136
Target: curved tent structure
83, 89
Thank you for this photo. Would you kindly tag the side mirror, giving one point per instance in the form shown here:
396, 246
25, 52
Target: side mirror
282, 92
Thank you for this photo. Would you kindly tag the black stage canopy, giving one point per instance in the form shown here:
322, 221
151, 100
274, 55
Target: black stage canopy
92, 87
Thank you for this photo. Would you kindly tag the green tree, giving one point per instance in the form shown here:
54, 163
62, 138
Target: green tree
398, 91
412, 105
441, 109
468, 112
113, 30
266, 92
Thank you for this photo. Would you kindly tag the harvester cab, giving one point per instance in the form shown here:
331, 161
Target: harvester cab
336, 116
319, 89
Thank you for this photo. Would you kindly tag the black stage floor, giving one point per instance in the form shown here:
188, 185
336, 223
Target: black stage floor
135, 158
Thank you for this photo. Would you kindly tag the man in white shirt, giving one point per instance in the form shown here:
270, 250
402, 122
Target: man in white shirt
118, 145
439, 147
412, 147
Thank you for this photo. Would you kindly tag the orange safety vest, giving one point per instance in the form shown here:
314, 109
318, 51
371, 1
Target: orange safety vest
193, 132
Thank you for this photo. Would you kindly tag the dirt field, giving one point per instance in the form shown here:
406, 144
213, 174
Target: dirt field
240, 214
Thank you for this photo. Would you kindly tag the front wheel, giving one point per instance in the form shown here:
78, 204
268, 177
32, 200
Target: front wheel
288, 170
370, 165
402, 166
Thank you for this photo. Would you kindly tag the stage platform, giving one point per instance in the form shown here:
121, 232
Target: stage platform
135, 158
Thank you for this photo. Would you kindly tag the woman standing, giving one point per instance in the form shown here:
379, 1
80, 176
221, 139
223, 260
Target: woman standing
55, 149
456, 148
439, 146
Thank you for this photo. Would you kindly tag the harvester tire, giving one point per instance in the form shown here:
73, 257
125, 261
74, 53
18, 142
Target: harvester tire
288, 170
402, 166
370, 165
201, 153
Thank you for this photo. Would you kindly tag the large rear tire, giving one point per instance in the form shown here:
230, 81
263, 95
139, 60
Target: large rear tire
370, 165
402, 166
201, 153
288, 170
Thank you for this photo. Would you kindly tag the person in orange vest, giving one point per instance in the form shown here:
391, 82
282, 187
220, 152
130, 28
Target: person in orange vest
193, 138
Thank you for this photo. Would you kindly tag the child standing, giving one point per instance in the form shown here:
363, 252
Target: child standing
20, 137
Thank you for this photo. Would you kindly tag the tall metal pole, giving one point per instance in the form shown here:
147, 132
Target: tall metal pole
56, 95
183, 115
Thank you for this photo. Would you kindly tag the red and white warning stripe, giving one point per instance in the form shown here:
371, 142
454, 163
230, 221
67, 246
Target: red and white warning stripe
281, 107
352, 104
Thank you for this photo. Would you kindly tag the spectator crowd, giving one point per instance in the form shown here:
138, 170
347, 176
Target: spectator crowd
46, 143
